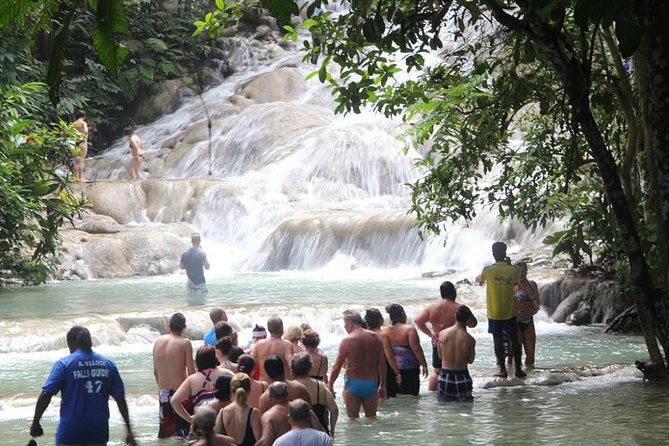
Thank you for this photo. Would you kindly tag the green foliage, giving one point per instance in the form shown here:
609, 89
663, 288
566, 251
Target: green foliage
34, 199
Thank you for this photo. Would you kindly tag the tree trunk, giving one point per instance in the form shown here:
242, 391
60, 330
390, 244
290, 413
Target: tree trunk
653, 74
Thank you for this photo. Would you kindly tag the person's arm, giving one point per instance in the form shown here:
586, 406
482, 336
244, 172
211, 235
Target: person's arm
414, 343
268, 434
336, 367
182, 264
123, 409
333, 408
383, 374
421, 322
287, 359
206, 263
155, 370
390, 357
182, 394
42, 403
481, 278
256, 426
472, 352
190, 364
264, 403
537, 302
324, 369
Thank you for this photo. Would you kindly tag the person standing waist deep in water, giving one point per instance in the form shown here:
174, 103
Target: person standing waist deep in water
194, 261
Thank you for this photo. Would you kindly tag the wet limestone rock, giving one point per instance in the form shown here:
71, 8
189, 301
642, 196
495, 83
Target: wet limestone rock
281, 85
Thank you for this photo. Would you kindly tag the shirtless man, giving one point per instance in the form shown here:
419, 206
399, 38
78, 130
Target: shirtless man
82, 127
274, 345
136, 153
274, 421
172, 363
365, 380
456, 348
275, 370
440, 315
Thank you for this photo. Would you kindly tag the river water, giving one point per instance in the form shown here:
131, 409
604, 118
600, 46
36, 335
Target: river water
584, 389
310, 220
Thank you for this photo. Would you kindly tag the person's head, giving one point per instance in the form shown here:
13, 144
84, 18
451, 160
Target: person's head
223, 387
351, 319
304, 326
301, 364
278, 391
129, 130
499, 251
396, 313
218, 314
275, 325
205, 358
522, 270
274, 367
177, 323
80, 114
79, 337
298, 410
195, 239
293, 333
224, 345
240, 386
223, 329
463, 314
258, 333
246, 364
203, 421
374, 318
311, 339
447, 291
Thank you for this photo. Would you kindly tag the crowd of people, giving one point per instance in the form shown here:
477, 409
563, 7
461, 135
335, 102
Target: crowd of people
279, 389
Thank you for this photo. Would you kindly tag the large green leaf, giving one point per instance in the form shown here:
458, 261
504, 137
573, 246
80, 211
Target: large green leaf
55, 70
109, 20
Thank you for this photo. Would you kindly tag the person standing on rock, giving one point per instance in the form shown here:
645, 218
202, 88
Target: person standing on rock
527, 304
81, 126
136, 154
500, 278
194, 261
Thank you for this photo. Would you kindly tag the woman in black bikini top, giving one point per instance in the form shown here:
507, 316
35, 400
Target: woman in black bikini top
239, 420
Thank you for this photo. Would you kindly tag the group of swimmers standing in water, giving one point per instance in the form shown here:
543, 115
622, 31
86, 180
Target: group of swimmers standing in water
279, 390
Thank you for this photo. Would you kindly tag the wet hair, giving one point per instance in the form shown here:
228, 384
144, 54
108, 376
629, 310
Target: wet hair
311, 338
195, 238
298, 410
240, 386
353, 317
304, 326
293, 333
374, 318
223, 387
79, 337
275, 325
217, 314
274, 367
222, 329
203, 422
224, 345
463, 314
177, 322
278, 390
499, 251
246, 364
301, 364
205, 358
396, 313
80, 114
447, 290
129, 130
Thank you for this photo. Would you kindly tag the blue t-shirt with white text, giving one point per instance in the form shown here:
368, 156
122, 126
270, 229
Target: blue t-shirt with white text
85, 381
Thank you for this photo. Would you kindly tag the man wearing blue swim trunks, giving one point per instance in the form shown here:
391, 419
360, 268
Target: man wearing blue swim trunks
365, 380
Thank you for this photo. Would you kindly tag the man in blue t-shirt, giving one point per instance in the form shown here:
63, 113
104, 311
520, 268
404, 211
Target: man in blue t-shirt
194, 261
85, 380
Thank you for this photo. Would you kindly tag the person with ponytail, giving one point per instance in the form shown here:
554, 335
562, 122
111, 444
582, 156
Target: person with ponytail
240, 421
247, 365
203, 430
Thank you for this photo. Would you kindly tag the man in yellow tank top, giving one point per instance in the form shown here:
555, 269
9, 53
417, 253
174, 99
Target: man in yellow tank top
500, 277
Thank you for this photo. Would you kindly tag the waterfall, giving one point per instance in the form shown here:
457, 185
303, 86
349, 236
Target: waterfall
287, 184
